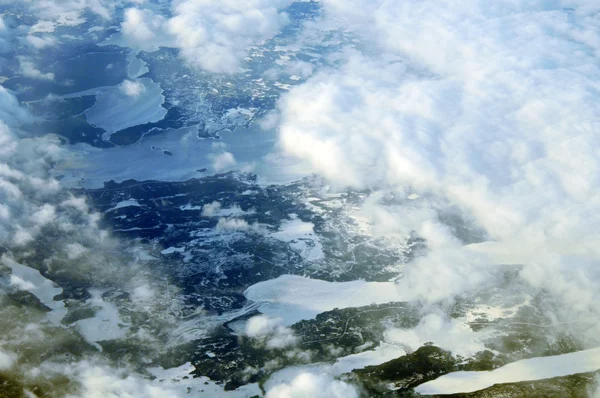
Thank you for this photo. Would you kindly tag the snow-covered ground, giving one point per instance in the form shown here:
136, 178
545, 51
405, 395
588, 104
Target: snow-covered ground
182, 384
124, 203
301, 237
524, 370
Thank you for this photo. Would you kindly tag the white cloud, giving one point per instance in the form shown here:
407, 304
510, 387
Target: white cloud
238, 224
443, 332
75, 250
102, 382
223, 161
309, 385
271, 332
211, 35
493, 108
211, 209
69, 12
132, 88
142, 25
7, 360
28, 69
40, 42
21, 284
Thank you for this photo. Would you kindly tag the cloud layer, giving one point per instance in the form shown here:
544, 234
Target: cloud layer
494, 108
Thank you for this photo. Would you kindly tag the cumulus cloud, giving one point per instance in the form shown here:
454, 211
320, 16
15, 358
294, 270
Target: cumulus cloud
491, 108
75, 250
69, 12
39, 42
223, 161
132, 88
211, 209
271, 332
24, 182
315, 386
238, 224
7, 359
97, 381
28, 69
211, 35
48, 234
444, 332
4, 36
20, 283
141, 25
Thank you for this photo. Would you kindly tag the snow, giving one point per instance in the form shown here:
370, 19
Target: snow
125, 203
174, 380
301, 237
234, 211
105, 325
189, 207
171, 250
294, 298
383, 353
524, 370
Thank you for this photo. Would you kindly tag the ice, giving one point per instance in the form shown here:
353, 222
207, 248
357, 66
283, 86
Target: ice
105, 325
115, 110
124, 203
172, 250
90, 167
385, 352
44, 289
301, 237
294, 298
524, 370
136, 67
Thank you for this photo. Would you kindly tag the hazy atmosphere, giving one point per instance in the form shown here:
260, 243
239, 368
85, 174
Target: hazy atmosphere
299, 199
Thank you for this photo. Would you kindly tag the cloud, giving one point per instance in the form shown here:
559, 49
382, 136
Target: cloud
99, 381
211, 209
75, 250
69, 12
238, 224
307, 385
443, 332
39, 42
132, 88
28, 69
223, 161
211, 35
142, 26
48, 235
7, 360
20, 283
271, 332
492, 109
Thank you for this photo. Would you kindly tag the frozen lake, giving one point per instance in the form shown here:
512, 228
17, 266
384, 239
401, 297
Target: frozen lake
178, 155
294, 298
524, 370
